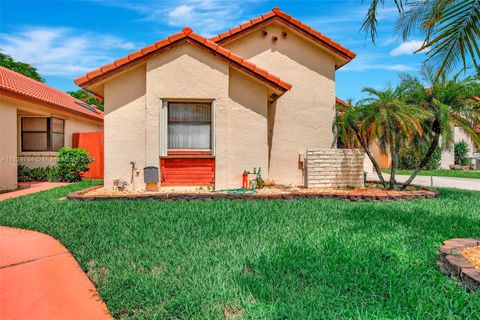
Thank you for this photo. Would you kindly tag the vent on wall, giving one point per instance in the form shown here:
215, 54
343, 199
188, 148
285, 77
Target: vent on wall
86, 106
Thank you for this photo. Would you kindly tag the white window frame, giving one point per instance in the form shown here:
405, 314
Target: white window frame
164, 123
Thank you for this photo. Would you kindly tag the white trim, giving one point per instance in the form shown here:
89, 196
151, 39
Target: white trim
163, 127
212, 130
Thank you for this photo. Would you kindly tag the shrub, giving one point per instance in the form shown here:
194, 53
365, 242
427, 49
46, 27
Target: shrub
461, 153
410, 159
26, 174
71, 163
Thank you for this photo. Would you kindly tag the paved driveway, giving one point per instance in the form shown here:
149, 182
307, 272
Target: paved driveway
444, 182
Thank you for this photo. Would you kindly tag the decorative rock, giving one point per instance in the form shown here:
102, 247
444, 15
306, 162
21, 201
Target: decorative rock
452, 263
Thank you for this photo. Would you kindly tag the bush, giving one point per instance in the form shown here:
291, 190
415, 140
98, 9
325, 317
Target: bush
71, 163
461, 153
410, 159
26, 174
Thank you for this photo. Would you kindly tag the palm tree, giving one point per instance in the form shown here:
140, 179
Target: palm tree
391, 122
347, 127
451, 102
450, 29
385, 119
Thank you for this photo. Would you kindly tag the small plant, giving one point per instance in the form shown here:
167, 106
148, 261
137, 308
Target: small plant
71, 163
410, 158
41, 174
461, 153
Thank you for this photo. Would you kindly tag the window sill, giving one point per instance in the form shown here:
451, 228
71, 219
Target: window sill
189, 152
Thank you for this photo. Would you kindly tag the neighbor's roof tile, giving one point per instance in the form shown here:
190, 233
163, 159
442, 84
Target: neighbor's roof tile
23, 87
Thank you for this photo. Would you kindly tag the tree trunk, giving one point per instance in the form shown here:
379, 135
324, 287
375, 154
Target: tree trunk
425, 160
393, 167
370, 156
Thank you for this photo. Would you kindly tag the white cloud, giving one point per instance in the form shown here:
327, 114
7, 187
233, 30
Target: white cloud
62, 51
206, 17
406, 48
371, 62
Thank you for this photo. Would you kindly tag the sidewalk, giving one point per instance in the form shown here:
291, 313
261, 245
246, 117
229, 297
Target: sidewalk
40, 279
30, 187
428, 181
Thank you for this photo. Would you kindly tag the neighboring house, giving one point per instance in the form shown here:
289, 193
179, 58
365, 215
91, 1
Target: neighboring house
204, 110
35, 122
447, 159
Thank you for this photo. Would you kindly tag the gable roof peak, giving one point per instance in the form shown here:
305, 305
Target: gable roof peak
291, 22
185, 35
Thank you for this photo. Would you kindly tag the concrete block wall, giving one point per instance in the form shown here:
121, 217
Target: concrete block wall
334, 168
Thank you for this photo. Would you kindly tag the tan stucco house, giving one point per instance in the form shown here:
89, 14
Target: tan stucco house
36, 120
204, 110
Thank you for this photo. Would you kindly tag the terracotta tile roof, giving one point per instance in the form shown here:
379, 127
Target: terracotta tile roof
22, 87
185, 35
278, 14
477, 98
342, 102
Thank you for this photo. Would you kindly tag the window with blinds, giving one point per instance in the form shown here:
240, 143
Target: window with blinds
42, 134
189, 125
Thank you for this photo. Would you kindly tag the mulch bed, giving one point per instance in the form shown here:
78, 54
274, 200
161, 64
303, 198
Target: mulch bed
89, 194
460, 258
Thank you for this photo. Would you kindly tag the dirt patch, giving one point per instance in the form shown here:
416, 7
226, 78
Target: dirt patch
231, 313
369, 193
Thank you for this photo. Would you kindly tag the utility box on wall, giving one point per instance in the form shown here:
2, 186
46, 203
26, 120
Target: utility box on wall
334, 168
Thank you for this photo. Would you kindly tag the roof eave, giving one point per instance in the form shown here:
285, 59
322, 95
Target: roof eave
16, 95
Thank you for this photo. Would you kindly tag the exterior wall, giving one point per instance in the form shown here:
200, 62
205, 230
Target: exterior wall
134, 116
8, 145
124, 132
247, 128
333, 168
303, 117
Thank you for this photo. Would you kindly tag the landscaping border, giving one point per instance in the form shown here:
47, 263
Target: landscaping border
453, 264
349, 195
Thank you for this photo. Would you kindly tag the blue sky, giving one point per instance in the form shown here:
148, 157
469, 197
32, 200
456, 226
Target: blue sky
65, 39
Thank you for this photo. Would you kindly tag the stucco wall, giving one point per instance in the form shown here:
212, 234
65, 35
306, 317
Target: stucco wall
327, 168
8, 145
303, 117
124, 132
133, 120
247, 128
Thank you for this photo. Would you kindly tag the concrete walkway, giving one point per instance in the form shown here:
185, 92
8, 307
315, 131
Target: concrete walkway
428, 181
40, 279
25, 188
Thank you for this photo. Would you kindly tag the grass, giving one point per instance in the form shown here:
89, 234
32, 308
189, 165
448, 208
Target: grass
442, 173
304, 259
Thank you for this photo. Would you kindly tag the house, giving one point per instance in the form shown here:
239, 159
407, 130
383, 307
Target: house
35, 122
205, 110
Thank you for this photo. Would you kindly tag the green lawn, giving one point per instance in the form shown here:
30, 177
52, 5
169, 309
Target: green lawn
442, 173
305, 259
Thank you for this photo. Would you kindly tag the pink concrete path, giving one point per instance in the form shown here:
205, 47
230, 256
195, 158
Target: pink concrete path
40, 279
30, 187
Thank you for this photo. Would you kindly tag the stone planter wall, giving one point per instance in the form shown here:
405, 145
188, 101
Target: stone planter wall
334, 168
